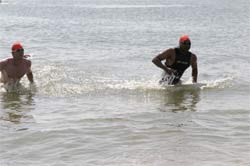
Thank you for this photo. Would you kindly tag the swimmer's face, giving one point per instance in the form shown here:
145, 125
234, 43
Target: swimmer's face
18, 54
186, 45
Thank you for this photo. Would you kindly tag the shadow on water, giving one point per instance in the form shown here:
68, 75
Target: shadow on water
16, 106
180, 100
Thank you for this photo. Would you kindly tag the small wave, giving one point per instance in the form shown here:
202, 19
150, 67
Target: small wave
133, 84
61, 81
93, 85
17, 88
60, 87
219, 83
154, 85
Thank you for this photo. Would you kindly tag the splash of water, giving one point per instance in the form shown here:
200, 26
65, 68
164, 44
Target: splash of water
59, 80
219, 83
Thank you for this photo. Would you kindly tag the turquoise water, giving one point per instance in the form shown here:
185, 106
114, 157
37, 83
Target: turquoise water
97, 100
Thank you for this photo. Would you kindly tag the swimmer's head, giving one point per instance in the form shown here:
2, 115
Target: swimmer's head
17, 50
185, 42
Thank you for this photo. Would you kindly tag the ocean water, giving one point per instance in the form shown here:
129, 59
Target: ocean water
97, 100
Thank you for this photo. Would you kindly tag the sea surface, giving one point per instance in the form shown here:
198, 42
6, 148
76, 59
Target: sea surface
96, 99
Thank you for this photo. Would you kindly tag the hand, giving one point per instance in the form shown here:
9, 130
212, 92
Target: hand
171, 71
174, 72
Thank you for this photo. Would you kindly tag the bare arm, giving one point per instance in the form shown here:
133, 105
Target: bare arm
30, 77
194, 68
163, 56
30, 74
2, 65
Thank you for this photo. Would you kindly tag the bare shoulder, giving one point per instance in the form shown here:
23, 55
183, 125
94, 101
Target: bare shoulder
169, 53
193, 61
5, 61
193, 57
27, 62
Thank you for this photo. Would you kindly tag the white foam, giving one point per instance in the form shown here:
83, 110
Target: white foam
219, 83
60, 81
91, 85
133, 84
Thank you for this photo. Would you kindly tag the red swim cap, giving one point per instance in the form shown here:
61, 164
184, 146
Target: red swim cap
16, 46
184, 38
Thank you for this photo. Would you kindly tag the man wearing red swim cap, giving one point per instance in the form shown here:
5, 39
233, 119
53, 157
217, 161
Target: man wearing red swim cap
13, 69
177, 60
